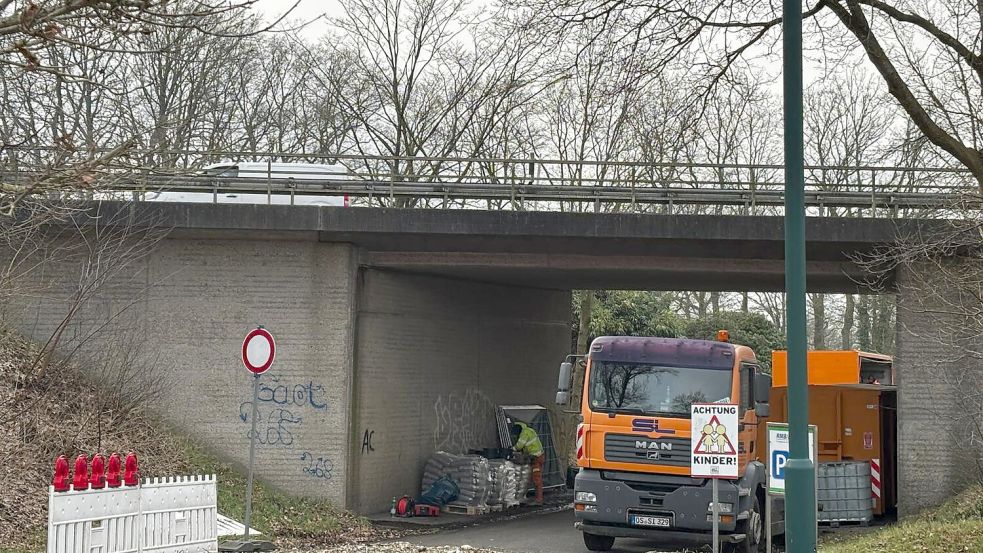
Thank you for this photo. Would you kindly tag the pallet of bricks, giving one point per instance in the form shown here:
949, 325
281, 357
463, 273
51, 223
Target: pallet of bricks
485, 485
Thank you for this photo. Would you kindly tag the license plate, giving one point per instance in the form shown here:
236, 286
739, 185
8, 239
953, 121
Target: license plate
645, 520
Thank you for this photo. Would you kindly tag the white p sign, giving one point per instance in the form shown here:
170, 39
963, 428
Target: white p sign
778, 454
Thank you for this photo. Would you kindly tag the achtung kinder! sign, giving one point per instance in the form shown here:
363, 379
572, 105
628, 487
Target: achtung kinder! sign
713, 440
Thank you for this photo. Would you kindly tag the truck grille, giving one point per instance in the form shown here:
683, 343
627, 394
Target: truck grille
626, 448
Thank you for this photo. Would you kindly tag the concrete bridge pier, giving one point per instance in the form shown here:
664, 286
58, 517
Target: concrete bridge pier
939, 371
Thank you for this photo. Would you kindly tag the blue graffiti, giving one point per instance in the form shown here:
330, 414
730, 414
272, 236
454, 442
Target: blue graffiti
276, 406
273, 427
304, 394
319, 467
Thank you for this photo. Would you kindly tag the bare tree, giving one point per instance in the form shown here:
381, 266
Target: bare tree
432, 83
70, 261
739, 126
69, 70
927, 55
846, 331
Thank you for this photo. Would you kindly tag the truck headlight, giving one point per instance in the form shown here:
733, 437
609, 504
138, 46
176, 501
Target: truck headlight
725, 508
586, 497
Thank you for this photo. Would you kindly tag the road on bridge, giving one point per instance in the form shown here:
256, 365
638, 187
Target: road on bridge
550, 533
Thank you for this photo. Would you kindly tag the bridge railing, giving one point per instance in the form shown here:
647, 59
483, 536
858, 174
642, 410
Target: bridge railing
520, 184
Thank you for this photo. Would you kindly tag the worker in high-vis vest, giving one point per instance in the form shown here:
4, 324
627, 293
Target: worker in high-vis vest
527, 444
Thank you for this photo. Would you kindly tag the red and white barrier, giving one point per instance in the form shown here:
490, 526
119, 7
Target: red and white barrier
580, 441
109, 509
875, 479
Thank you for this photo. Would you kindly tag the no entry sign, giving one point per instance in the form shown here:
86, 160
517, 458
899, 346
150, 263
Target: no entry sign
258, 350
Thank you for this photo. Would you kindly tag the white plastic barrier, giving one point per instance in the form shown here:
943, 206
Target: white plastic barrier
161, 515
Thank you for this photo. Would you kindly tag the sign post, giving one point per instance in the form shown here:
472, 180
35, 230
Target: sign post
714, 454
258, 352
778, 455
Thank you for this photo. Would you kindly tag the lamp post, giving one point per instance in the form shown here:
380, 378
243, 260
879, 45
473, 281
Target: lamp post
800, 497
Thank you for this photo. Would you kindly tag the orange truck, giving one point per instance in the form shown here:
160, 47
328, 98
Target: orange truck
633, 442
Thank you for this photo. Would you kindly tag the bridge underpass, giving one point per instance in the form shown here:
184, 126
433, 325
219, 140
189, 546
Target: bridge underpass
399, 329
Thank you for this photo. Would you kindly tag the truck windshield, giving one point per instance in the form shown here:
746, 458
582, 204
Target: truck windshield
653, 389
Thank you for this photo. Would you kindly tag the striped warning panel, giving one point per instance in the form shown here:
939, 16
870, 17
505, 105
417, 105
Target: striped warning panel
580, 441
875, 478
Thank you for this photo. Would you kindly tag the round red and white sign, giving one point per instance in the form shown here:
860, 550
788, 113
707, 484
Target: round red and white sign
258, 350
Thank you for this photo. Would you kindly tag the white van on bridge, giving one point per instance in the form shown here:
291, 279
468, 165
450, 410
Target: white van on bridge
284, 177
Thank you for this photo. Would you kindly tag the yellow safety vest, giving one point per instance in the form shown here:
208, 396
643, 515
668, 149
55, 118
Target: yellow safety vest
528, 442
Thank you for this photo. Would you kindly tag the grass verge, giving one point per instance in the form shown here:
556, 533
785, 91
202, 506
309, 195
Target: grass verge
954, 527
280, 517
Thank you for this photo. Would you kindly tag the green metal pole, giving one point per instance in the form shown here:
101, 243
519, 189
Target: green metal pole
800, 491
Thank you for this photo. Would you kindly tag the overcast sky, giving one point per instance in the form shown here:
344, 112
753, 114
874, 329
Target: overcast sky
307, 10
316, 13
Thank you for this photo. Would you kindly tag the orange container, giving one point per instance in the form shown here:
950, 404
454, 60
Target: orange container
838, 367
856, 422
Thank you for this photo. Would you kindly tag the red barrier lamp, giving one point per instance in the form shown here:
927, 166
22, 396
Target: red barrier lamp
60, 481
132, 475
114, 475
98, 479
81, 480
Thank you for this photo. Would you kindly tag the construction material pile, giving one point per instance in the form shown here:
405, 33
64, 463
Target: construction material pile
505, 482
523, 481
482, 482
469, 472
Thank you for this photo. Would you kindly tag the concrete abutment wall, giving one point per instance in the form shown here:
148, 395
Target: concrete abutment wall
374, 370
433, 358
183, 312
940, 384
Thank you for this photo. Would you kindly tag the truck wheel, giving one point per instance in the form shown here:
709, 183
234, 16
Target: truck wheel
753, 528
598, 543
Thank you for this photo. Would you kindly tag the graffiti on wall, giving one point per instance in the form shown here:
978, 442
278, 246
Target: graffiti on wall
317, 467
367, 446
279, 407
464, 420
273, 426
301, 394
280, 410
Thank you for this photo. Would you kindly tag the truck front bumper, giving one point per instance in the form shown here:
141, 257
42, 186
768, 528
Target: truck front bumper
685, 500
651, 533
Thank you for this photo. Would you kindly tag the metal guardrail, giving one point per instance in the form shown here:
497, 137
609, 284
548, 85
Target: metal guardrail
554, 184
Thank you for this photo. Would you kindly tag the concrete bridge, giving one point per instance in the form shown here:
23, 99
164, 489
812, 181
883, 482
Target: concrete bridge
399, 330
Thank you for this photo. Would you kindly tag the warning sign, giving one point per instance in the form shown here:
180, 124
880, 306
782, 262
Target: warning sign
713, 433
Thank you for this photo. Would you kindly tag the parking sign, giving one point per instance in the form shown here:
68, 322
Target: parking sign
778, 454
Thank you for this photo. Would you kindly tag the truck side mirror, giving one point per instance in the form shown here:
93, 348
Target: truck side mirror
762, 387
563, 384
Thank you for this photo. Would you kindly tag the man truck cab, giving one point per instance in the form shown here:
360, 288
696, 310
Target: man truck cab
633, 443
274, 183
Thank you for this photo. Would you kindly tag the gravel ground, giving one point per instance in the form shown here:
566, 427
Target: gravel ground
393, 547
